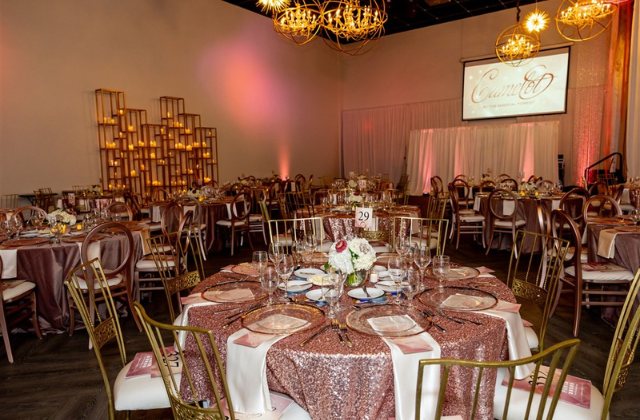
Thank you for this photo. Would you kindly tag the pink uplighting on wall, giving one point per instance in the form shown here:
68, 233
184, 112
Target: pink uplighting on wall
284, 161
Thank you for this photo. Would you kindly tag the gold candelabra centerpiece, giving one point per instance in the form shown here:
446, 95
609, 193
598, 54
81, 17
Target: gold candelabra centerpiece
580, 20
300, 23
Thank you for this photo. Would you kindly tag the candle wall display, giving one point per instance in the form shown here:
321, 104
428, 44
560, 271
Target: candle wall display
145, 150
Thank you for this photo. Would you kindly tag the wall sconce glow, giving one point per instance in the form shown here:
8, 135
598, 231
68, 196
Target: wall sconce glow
284, 162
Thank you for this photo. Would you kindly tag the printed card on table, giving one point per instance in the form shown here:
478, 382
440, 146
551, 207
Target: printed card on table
364, 218
576, 391
144, 363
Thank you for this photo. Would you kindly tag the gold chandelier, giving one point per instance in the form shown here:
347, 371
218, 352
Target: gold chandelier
516, 45
299, 23
581, 20
349, 25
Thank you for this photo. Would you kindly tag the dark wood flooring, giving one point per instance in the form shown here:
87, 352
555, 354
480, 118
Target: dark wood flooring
58, 378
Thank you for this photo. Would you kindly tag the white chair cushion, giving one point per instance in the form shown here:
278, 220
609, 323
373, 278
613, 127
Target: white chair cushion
292, 412
508, 224
564, 410
614, 273
584, 254
255, 218
117, 279
147, 264
16, 288
472, 218
227, 223
139, 392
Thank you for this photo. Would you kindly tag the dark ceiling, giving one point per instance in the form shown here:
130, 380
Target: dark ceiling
405, 15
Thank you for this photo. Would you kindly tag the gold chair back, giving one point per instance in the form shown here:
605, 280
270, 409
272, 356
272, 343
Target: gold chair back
535, 267
208, 396
119, 211
8, 201
286, 232
559, 356
101, 329
421, 231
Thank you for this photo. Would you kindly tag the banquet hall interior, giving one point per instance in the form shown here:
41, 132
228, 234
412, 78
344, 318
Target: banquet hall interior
162, 160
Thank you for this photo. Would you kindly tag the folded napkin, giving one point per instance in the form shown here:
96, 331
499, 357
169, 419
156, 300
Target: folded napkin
508, 207
516, 338
607, 243
405, 355
484, 270
192, 298
476, 203
247, 366
555, 204
232, 295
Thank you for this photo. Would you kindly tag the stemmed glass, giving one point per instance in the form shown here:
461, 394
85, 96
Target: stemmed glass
440, 266
259, 260
421, 258
269, 281
411, 286
403, 246
333, 293
396, 269
276, 251
37, 220
284, 268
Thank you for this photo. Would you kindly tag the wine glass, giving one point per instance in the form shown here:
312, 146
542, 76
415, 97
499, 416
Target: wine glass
440, 266
269, 281
421, 258
16, 225
411, 286
333, 293
259, 260
396, 269
275, 252
635, 216
37, 220
284, 268
403, 247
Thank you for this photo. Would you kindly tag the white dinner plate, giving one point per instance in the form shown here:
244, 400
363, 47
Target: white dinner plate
361, 295
296, 286
321, 279
379, 268
316, 295
387, 286
305, 273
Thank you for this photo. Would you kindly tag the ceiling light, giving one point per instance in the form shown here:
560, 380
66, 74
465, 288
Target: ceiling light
300, 23
515, 46
536, 21
584, 19
273, 5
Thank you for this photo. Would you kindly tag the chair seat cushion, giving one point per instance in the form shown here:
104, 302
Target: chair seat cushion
255, 218
227, 223
16, 288
609, 272
532, 338
112, 281
584, 254
564, 410
507, 223
471, 218
147, 264
139, 392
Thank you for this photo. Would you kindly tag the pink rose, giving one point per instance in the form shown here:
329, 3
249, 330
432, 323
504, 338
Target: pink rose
341, 245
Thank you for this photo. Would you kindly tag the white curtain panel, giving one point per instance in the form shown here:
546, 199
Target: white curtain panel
529, 148
633, 121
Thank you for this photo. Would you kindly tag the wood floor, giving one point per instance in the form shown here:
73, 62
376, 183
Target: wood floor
58, 378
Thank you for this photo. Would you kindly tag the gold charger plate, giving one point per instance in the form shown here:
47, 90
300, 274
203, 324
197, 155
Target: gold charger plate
234, 292
456, 272
480, 299
416, 323
283, 318
18, 242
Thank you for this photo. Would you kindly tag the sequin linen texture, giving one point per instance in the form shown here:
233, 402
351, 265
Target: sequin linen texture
332, 381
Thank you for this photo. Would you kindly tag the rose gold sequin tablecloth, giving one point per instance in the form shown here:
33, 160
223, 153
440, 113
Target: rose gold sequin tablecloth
332, 381
340, 225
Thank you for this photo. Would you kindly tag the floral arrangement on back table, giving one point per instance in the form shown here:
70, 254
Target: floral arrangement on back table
351, 256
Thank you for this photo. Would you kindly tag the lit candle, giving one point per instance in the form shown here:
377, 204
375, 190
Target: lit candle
189, 148
207, 179
79, 226
130, 147
152, 155
130, 128
121, 111
187, 131
152, 143
133, 172
112, 121
105, 119
168, 114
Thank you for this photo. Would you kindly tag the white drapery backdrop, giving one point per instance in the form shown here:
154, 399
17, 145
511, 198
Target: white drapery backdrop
633, 121
530, 148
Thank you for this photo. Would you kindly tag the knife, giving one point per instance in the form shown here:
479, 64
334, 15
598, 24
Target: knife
315, 334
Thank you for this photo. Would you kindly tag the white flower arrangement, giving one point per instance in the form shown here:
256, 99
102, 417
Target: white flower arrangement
61, 216
352, 255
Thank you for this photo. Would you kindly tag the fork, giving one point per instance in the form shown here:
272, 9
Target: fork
343, 329
335, 326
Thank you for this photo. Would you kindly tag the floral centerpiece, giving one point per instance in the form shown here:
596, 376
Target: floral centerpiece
353, 257
62, 217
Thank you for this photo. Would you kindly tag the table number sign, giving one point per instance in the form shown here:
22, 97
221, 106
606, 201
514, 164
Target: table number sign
364, 217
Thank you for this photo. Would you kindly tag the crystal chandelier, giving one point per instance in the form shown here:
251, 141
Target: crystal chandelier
351, 24
273, 5
584, 19
299, 23
515, 45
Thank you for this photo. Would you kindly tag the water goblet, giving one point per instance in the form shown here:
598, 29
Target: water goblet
440, 266
396, 270
284, 268
259, 260
276, 251
421, 258
333, 293
411, 286
269, 281
635, 216
403, 246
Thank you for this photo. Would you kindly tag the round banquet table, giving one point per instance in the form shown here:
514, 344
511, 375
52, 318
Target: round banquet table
627, 247
47, 265
333, 381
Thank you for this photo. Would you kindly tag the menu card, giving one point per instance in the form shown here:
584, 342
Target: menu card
144, 363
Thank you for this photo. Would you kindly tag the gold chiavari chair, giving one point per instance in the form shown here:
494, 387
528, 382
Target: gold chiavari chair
465, 221
287, 232
17, 303
119, 211
541, 405
202, 374
502, 219
29, 215
600, 206
436, 206
619, 362
422, 232
535, 267
238, 221
136, 393
572, 203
